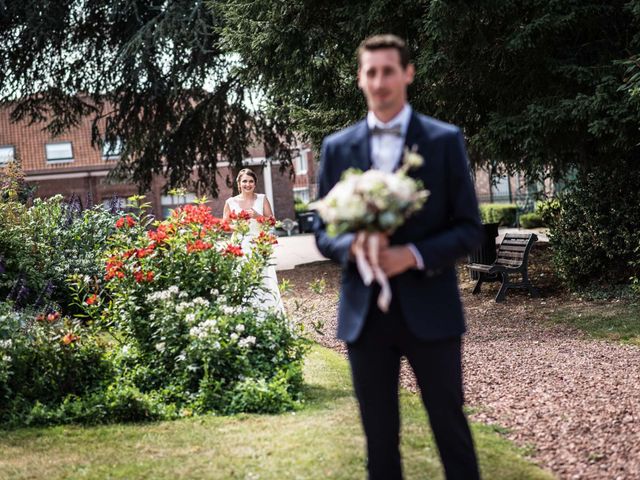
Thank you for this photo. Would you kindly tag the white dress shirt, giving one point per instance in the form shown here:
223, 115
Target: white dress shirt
386, 149
386, 152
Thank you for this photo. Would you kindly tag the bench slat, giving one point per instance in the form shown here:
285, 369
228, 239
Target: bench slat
514, 255
508, 263
513, 248
479, 267
517, 235
514, 241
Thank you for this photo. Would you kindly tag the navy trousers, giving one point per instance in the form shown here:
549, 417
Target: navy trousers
375, 368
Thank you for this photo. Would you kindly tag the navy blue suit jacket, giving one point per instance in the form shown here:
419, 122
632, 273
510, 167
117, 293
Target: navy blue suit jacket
445, 229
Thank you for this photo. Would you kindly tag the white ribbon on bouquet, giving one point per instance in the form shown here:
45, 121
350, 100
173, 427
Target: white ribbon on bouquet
366, 249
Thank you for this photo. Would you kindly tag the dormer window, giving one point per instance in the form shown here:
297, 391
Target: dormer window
59, 152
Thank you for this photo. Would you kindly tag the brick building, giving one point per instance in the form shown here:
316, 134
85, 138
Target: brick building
68, 164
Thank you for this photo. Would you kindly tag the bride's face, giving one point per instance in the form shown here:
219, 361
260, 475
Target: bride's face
247, 184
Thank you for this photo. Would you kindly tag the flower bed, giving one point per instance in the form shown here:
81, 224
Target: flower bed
169, 328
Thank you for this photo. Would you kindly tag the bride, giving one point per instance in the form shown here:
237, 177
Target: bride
256, 205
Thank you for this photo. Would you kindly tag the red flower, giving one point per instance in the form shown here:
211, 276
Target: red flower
159, 235
267, 238
53, 316
143, 252
141, 276
198, 245
130, 222
114, 266
270, 220
69, 338
92, 299
234, 250
40, 318
196, 214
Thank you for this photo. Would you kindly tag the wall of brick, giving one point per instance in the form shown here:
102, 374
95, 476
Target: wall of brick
86, 174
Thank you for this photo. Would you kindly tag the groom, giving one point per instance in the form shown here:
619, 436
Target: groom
424, 322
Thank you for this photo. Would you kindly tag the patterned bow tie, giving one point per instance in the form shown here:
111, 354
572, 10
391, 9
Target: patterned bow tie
395, 130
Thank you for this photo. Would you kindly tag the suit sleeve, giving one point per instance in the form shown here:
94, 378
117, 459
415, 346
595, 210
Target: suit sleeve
464, 232
335, 248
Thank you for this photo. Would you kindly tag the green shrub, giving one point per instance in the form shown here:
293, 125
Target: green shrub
46, 243
181, 296
502, 213
116, 403
169, 323
531, 220
594, 227
45, 359
300, 206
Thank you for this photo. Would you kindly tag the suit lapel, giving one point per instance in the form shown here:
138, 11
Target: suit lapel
414, 139
360, 147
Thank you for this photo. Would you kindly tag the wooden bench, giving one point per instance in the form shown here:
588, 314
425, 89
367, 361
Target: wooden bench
511, 259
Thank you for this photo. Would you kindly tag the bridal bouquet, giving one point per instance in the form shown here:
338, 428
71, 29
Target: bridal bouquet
372, 204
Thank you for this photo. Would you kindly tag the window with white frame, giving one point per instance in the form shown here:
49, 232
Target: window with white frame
7, 153
300, 163
171, 202
301, 194
59, 152
112, 150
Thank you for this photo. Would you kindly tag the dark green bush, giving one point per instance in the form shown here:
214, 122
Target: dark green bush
531, 220
46, 243
594, 227
502, 213
45, 359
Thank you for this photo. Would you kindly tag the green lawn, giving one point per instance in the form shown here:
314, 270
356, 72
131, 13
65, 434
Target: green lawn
324, 440
617, 321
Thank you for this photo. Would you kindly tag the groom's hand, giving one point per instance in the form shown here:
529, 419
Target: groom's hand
396, 260
383, 243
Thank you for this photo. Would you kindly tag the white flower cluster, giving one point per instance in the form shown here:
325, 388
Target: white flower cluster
196, 302
236, 310
163, 295
205, 329
373, 200
6, 345
247, 341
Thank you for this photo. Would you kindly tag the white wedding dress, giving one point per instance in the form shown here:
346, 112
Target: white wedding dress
270, 296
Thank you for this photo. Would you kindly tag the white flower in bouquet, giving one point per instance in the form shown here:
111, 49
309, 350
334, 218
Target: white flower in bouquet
373, 201
371, 204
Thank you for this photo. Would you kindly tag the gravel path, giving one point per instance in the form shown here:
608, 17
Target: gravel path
573, 402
